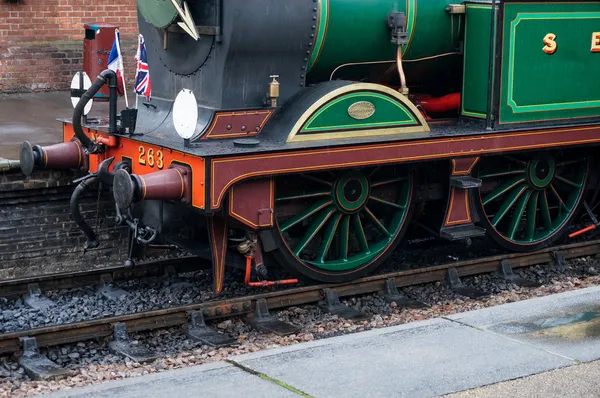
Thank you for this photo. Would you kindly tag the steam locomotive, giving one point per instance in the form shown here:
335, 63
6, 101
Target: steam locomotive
311, 134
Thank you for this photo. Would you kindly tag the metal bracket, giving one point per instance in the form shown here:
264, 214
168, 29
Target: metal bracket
396, 21
37, 366
332, 305
35, 299
122, 346
198, 331
109, 290
391, 294
506, 272
560, 261
458, 287
263, 321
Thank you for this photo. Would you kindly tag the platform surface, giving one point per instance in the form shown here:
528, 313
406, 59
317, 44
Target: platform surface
422, 359
32, 117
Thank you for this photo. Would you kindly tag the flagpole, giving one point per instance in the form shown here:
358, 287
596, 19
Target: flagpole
120, 55
137, 70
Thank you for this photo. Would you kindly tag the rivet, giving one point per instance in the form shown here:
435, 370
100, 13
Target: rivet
305, 59
310, 44
243, 128
308, 51
218, 311
229, 127
257, 129
312, 35
303, 67
315, 9
314, 18
302, 75
301, 84
314, 27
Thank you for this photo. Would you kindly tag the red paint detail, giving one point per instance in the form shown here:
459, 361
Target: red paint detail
66, 155
447, 103
583, 231
110, 141
252, 202
171, 184
463, 166
227, 171
95, 54
458, 211
139, 152
217, 229
237, 124
263, 283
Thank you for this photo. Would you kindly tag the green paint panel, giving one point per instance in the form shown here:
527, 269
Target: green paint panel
159, 13
538, 86
477, 60
350, 31
334, 115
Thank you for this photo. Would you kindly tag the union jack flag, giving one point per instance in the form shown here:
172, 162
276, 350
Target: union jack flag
142, 79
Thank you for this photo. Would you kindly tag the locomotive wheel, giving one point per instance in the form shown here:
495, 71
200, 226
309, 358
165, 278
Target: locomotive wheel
338, 226
526, 204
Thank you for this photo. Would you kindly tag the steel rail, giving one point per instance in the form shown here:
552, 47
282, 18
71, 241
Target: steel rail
69, 280
177, 316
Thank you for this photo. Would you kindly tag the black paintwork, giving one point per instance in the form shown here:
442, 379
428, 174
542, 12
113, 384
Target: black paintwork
259, 38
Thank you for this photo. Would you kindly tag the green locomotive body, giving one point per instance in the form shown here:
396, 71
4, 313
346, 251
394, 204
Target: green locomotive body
312, 133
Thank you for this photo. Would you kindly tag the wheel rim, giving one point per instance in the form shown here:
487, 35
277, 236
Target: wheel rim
343, 220
528, 201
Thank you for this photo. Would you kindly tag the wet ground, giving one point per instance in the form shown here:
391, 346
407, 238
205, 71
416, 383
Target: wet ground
428, 358
32, 117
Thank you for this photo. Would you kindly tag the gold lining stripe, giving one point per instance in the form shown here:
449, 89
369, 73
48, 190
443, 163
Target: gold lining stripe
216, 199
294, 137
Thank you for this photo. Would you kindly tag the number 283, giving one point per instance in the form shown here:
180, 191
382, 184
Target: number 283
152, 158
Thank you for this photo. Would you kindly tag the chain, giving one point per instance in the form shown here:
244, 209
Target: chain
98, 209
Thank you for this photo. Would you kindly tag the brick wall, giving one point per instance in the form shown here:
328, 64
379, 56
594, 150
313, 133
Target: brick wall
41, 41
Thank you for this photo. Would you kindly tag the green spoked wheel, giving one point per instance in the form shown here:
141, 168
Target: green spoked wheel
526, 203
338, 226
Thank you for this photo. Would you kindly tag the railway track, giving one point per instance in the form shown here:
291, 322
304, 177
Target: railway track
178, 316
70, 280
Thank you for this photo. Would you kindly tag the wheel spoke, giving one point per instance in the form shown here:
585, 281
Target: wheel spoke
562, 203
387, 202
305, 214
374, 171
315, 179
328, 235
378, 224
512, 159
531, 215
393, 180
360, 233
570, 162
507, 204
314, 227
504, 188
344, 237
569, 182
528, 200
502, 174
303, 196
545, 211
518, 214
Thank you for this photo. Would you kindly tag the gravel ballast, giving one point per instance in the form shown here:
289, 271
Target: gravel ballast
92, 362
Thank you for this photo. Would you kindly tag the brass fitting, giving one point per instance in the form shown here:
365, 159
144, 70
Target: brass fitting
274, 90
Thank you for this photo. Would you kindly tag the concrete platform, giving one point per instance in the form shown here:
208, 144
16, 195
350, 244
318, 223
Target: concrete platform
422, 359
32, 117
